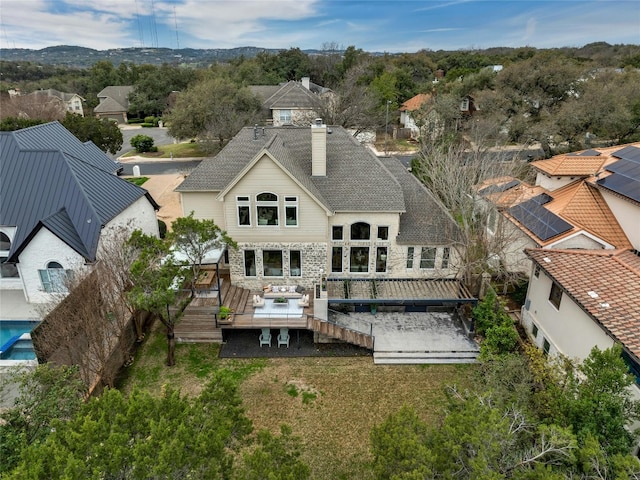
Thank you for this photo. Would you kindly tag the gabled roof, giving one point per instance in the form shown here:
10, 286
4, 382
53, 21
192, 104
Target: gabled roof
291, 95
552, 216
603, 283
50, 92
414, 103
356, 179
116, 98
57, 187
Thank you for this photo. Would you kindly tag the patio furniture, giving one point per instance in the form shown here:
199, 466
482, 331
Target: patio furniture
258, 301
265, 337
283, 337
304, 301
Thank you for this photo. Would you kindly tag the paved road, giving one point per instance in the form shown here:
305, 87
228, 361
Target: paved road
161, 167
159, 135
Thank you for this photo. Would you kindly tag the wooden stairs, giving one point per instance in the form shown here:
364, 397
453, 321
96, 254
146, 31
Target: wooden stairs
340, 333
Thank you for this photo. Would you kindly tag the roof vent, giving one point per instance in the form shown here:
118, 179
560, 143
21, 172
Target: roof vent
592, 294
546, 259
605, 305
318, 121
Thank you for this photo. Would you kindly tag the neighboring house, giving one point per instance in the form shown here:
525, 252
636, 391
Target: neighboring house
578, 299
291, 103
114, 103
584, 200
416, 115
59, 200
309, 203
71, 102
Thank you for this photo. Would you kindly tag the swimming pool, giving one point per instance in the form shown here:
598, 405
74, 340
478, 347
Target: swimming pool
15, 343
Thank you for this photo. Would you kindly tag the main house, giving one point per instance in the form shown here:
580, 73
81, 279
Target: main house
114, 103
308, 203
60, 199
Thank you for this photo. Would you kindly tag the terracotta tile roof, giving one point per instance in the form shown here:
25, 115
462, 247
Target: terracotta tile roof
415, 103
584, 163
604, 284
495, 190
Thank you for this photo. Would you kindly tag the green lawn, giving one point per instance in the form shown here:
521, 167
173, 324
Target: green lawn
331, 403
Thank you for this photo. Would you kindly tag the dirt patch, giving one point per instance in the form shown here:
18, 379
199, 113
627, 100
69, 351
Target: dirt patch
161, 188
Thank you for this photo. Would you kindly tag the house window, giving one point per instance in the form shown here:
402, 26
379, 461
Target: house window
285, 116
410, 251
464, 104
546, 346
446, 252
336, 232
291, 211
295, 263
381, 259
272, 263
54, 278
360, 231
7, 270
244, 211
534, 331
555, 296
428, 257
336, 259
492, 221
383, 233
359, 259
536, 271
267, 208
250, 263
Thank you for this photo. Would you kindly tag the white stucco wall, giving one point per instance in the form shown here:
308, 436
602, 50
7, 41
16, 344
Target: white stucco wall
627, 214
553, 183
13, 283
569, 330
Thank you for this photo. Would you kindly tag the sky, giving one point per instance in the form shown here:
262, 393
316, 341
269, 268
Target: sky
374, 26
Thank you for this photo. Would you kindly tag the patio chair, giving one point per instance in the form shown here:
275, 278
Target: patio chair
258, 301
283, 337
265, 337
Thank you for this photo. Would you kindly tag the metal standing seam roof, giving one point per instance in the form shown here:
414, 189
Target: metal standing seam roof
50, 188
604, 284
356, 179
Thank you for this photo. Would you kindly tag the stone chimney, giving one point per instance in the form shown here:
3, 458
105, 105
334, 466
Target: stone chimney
305, 82
318, 149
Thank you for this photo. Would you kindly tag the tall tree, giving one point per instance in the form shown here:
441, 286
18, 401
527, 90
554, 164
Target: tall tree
104, 133
154, 275
213, 111
195, 238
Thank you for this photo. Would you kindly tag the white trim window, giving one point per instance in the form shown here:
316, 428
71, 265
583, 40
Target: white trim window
428, 258
359, 260
383, 233
295, 263
249, 263
54, 278
410, 254
244, 211
360, 231
446, 257
285, 116
272, 263
267, 209
291, 211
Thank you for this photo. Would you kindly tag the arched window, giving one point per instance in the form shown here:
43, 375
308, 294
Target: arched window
54, 277
267, 208
7, 270
360, 231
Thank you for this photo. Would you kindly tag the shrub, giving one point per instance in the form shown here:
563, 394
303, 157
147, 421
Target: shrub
142, 143
152, 120
500, 339
134, 121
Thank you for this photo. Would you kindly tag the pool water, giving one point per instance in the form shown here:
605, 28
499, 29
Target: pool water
23, 348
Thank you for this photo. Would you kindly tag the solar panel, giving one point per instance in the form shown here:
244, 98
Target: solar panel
543, 223
586, 153
542, 199
628, 153
499, 188
625, 167
626, 186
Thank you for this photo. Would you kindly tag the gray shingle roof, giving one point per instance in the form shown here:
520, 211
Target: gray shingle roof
356, 180
46, 185
291, 95
117, 98
426, 221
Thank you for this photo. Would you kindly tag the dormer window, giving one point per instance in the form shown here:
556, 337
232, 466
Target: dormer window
267, 209
285, 117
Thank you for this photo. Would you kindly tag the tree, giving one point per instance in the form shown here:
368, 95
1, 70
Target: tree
142, 143
35, 106
45, 394
11, 124
213, 110
154, 274
141, 436
195, 238
153, 87
104, 133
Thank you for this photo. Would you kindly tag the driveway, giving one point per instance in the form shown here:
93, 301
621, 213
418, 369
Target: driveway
160, 137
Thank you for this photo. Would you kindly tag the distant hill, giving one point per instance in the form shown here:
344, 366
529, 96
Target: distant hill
72, 56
